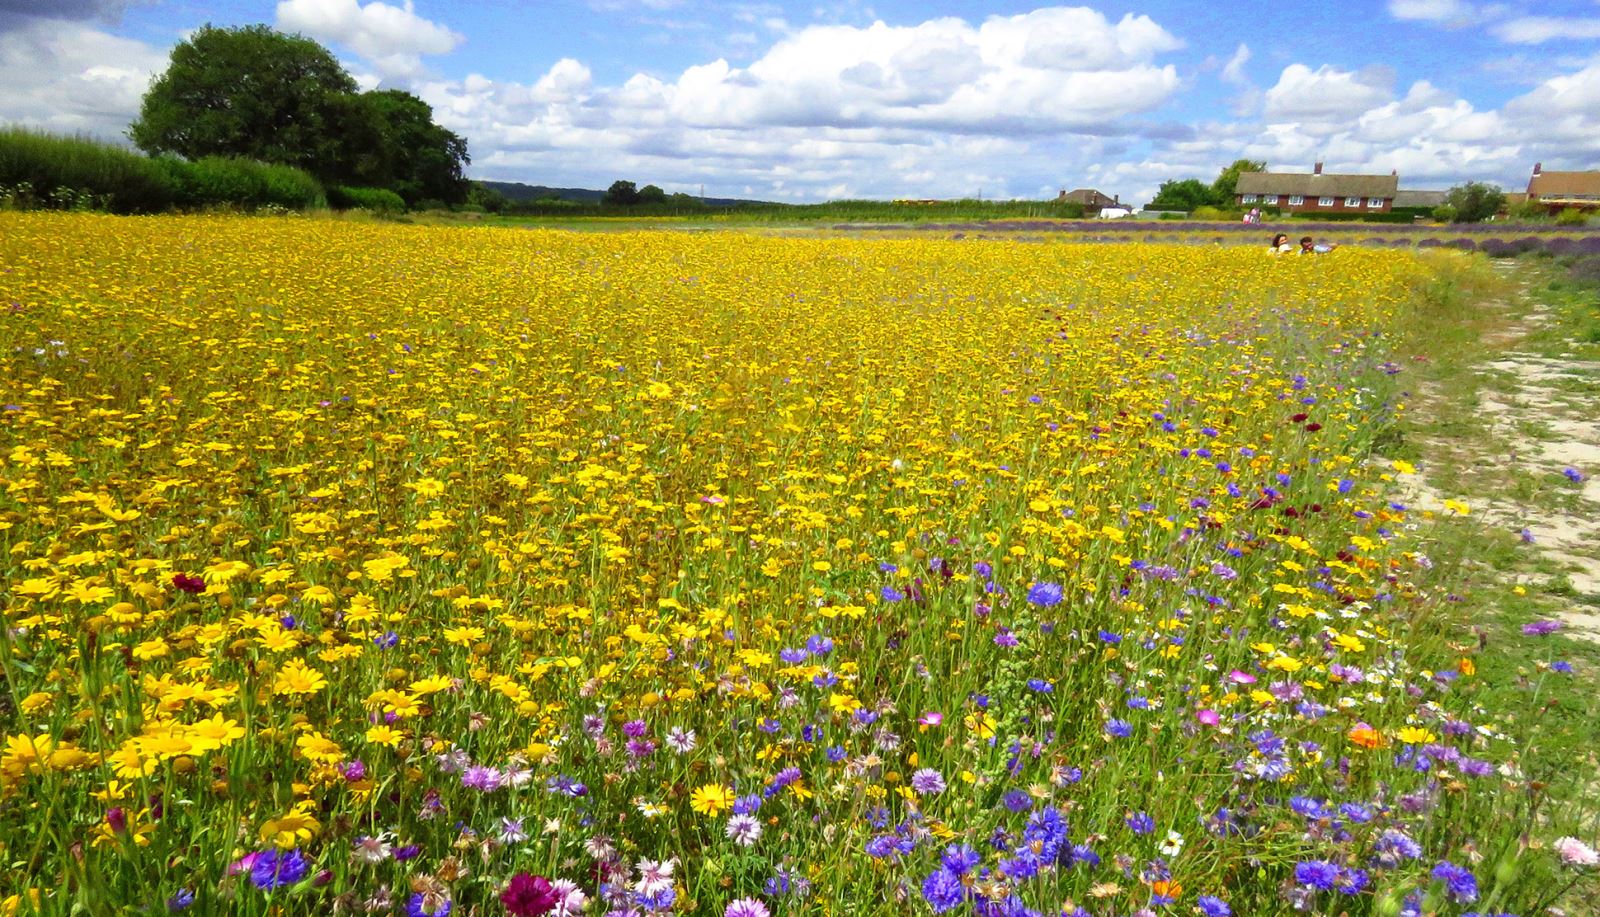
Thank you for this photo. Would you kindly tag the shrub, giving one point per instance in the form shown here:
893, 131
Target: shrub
44, 170
1572, 216
378, 200
1215, 214
220, 181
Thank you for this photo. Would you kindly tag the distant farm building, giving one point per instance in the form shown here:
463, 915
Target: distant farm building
1093, 201
1419, 199
1557, 191
1318, 192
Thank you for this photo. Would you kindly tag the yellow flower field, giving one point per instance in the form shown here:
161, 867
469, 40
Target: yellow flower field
410, 569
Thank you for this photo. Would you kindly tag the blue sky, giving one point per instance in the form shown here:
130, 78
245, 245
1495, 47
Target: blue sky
808, 100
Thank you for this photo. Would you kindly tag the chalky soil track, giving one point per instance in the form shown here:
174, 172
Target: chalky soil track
1510, 435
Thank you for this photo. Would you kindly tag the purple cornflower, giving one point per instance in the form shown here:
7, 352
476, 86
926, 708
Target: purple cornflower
483, 779
743, 830
927, 782
891, 594
1140, 823
1573, 475
943, 891
275, 868
1045, 595
1541, 627
746, 907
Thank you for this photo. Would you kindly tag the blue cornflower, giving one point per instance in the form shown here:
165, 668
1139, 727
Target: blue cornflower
275, 868
1356, 812
1212, 906
1017, 800
419, 905
1351, 881
747, 805
1040, 685
959, 858
891, 594
793, 656
1561, 665
818, 645
1140, 823
1458, 882
943, 891
1107, 636
1119, 729
180, 900
387, 641
1573, 475
1045, 595
1318, 874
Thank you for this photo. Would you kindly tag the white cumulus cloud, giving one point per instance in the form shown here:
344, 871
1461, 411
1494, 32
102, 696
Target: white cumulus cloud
393, 39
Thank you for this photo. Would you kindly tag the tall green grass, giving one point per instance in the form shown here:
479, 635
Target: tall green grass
45, 170
49, 171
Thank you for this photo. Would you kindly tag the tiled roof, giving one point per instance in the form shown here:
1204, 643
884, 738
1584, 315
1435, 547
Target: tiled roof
1326, 184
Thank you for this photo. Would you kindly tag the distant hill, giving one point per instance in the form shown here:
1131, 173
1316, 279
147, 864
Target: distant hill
517, 191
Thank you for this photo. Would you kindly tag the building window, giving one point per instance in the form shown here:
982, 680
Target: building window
1324, 202
1374, 202
1352, 202
1270, 200
1247, 199
1295, 200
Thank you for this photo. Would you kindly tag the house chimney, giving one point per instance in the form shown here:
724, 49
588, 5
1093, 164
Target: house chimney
1317, 169
1538, 167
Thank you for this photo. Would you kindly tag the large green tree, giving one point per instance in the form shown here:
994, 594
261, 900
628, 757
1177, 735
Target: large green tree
1227, 183
250, 92
256, 93
405, 150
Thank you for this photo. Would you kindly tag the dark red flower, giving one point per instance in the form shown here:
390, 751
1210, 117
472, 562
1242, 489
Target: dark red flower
1313, 427
183, 582
528, 896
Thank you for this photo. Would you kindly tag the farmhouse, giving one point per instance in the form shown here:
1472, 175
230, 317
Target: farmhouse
1093, 201
1318, 192
1560, 190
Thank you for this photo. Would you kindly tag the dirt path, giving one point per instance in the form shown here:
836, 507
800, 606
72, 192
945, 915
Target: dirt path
1523, 449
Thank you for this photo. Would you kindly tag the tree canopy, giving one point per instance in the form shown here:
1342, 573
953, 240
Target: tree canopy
1473, 202
1182, 194
256, 93
1191, 193
1227, 183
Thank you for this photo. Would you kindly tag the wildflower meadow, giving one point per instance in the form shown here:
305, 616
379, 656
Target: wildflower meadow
366, 568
